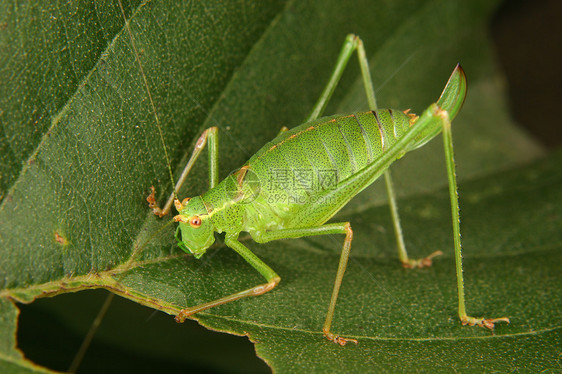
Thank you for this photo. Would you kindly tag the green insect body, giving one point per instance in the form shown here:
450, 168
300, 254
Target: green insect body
295, 183
347, 149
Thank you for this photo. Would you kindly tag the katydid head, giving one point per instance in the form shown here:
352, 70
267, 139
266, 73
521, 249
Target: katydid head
197, 230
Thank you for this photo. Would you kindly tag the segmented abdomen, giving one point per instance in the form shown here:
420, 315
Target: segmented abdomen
312, 156
324, 162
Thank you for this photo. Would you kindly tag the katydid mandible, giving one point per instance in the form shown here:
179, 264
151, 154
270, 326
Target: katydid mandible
343, 154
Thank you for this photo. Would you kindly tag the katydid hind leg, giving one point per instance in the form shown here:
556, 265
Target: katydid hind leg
354, 43
398, 233
443, 117
349, 46
407, 262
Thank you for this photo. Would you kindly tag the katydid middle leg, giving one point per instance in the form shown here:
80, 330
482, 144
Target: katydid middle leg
326, 229
272, 280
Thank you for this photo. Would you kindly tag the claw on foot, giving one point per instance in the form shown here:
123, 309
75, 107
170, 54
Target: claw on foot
422, 262
483, 322
181, 316
152, 204
338, 339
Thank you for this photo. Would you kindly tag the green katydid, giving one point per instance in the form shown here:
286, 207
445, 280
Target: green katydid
329, 160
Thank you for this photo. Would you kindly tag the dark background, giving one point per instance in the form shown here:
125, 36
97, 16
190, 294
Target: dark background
528, 39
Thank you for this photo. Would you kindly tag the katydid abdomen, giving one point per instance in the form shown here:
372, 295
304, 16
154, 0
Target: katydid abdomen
306, 175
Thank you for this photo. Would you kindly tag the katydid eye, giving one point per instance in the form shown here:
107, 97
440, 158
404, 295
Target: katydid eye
195, 222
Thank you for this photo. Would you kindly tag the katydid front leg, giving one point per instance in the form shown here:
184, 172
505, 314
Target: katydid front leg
272, 280
211, 136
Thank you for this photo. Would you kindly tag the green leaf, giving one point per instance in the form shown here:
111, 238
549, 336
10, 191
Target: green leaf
81, 147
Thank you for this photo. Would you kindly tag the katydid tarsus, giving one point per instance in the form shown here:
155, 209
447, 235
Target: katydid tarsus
329, 160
